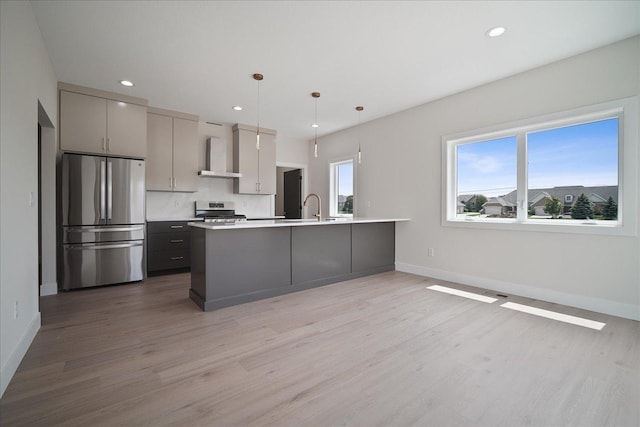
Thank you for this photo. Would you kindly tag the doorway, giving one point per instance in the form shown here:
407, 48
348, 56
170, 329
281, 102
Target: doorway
289, 190
46, 200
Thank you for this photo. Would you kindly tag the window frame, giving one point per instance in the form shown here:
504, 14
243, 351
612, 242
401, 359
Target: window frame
333, 186
626, 110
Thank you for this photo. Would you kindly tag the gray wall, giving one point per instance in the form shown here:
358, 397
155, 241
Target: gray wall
26, 77
401, 176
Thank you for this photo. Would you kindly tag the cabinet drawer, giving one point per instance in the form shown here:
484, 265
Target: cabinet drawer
169, 241
167, 227
168, 260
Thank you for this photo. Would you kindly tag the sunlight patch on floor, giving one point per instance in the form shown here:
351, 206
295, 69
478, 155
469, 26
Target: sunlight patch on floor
574, 320
460, 293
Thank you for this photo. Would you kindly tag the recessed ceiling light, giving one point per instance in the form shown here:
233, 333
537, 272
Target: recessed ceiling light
315, 125
495, 31
126, 83
237, 108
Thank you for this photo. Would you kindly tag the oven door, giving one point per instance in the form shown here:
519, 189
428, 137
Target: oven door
96, 264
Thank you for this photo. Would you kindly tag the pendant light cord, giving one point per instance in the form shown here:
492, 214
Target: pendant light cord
359, 110
315, 95
258, 119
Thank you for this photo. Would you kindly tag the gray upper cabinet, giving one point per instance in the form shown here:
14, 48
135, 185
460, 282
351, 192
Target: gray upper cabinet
172, 161
126, 129
99, 125
159, 152
258, 167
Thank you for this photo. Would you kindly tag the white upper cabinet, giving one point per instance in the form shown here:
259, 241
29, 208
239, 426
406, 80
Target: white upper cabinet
96, 124
257, 166
172, 161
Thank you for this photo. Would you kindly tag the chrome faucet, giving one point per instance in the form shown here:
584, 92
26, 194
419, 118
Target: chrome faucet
319, 214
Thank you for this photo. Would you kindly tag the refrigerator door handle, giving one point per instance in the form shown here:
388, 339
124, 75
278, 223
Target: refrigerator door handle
100, 247
103, 230
103, 180
109, 189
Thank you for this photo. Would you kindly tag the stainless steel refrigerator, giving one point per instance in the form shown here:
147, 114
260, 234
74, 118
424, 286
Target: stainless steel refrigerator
103, 211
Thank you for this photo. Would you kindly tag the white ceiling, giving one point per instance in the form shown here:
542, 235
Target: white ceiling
198, 56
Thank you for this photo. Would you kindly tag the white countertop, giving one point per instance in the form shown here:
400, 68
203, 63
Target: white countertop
291, 223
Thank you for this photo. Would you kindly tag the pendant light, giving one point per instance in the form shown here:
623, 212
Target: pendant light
359, 109
315, 125
258, 77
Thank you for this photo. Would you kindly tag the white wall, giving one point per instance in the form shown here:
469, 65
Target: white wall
401, 176
167, 205
26, 77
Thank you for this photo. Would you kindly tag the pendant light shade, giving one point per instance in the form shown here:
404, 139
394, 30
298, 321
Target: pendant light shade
315, 125
258, 77
359, 109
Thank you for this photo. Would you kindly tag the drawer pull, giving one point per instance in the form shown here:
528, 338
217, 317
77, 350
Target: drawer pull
177, 226
177, 240
176, 258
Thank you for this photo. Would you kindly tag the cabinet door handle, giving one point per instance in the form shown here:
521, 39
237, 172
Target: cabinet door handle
108, 144
177, 240
170, 182
176, 258
104, 144
175, 183
177, 226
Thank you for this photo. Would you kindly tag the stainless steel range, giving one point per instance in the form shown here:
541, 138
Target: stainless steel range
218, 212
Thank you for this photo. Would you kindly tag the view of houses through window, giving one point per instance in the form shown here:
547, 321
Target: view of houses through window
572, 174
342, 188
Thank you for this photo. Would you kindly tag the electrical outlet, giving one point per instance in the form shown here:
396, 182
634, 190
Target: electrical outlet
368, 203
177, 203
15, 309
31, 199
432, 252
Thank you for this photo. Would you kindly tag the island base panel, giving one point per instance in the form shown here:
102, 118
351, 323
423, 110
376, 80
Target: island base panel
214, 304
236, 266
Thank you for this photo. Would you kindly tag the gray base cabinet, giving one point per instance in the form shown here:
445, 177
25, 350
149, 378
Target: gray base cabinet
234, 266
168, 247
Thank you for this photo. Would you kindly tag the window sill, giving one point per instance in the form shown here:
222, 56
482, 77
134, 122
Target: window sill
605, 228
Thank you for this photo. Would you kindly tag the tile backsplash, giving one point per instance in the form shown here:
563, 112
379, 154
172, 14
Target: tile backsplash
174, 205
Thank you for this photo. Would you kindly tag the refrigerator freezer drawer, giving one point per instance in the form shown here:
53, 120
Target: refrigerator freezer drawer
102, 233
86, 265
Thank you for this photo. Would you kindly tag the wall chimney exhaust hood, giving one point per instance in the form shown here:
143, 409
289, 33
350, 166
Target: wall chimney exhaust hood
216, 159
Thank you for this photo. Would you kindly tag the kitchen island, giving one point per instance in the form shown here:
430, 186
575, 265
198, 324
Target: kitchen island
248, 261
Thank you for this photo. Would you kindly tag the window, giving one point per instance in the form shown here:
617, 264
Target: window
582, 159
486, 170
342, 194
564, 170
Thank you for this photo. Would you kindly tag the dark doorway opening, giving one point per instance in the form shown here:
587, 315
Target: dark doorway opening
293, 194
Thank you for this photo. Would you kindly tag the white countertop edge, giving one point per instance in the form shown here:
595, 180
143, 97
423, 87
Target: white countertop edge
285, 223
173, 219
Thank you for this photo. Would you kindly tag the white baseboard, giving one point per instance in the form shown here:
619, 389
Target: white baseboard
48, 289
9, 368
628, 311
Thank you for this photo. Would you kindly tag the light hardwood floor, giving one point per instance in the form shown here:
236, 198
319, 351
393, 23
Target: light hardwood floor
376, 351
